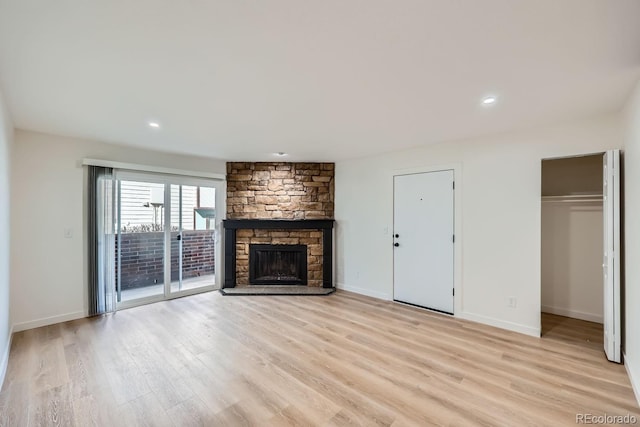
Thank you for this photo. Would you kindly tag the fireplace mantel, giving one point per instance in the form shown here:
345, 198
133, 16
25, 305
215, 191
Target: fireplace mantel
270, 224
232, 225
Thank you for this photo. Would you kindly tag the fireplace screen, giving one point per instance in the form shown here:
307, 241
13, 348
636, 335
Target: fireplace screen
277, 264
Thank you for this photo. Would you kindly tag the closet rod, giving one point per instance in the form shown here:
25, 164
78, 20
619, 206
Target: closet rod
574, 198
573, 201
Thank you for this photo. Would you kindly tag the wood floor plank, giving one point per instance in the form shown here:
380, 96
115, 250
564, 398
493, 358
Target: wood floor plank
291, 417
96, 408
86, 372
14, 405
144, 411
125, 378
50, 369
193, 412
52, 407
338, 360
277, 380
163, 380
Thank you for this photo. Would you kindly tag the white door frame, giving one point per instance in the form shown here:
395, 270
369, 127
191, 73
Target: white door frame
611, 256
457, 226
616, 233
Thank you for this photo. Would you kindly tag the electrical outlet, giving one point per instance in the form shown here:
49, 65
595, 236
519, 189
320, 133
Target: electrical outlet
512, 302
357, 275
68, 233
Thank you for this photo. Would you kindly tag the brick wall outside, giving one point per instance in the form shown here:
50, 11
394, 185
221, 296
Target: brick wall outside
280, 190
142, 257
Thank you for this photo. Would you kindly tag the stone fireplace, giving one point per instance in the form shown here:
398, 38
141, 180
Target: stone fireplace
282, 205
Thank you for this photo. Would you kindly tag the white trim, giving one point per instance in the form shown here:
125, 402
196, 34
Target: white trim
168, 217
419, 307
193, 291
457, 225
574, 156
510, 326
426, 169
632, 377
221, 214
589, 317
362, 291
617, 316
46, 321
160, 178
477, 318
123, 305
147, 168
4, 364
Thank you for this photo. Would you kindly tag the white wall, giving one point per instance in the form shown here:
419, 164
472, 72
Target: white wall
632, 239
6, 136
572, 248
48, 186
500, 205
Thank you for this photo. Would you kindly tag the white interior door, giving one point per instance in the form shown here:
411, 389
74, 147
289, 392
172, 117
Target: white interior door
424, 239
611, 261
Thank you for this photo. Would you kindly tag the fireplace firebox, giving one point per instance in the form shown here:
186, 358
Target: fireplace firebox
277, 264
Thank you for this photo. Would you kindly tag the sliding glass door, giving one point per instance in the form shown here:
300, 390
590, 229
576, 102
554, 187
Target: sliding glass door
166, 237
140, 242
193, 220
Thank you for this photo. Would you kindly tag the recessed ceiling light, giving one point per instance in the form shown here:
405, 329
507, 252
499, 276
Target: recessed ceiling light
154, 125
489, 100
280, 154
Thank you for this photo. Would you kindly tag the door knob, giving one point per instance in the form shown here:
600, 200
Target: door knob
396, 244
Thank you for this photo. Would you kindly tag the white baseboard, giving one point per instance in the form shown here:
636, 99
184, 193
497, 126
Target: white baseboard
633, 378
510, 326
46, 321
523, 329
5, 358
589, 317
364, 291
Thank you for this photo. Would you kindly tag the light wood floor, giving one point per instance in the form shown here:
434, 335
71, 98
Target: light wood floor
335, 360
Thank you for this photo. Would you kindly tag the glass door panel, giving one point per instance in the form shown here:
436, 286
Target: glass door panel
192, 237
140, 240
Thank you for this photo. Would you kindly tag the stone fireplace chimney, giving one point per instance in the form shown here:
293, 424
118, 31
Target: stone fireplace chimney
279, 204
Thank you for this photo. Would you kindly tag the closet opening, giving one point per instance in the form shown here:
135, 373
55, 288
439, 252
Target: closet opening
572, 222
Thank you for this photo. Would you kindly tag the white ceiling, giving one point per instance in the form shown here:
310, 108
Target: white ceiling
321, 80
